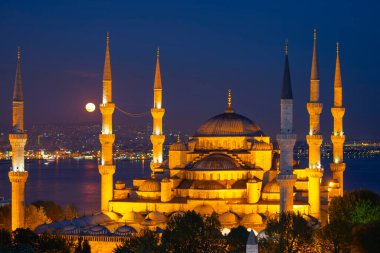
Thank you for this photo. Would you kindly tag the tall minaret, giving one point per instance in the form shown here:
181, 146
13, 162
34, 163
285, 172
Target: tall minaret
338, 137
314, 139
286, 140
157, 138
17, 138
107, 167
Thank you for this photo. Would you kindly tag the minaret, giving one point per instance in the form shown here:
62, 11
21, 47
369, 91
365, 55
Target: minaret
157, 138
314, 139
107, 167
17, 138
286, 140
338, 137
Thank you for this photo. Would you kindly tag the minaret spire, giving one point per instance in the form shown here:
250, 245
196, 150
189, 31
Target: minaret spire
286, 92
17, 139
314, 139
314, 65
157, 75
107, 75
107, 167
17, 90
286, 140
157, 138
338, 138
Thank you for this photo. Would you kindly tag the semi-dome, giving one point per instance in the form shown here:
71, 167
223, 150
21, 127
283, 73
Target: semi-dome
228, 124
150, 185
208, 185
217, 162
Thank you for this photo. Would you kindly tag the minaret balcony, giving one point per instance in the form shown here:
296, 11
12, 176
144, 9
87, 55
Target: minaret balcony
338, 138
314, 108
107, 108
18, 176
337, 167
338, 112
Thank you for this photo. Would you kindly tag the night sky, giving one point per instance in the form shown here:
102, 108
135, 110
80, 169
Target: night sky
206, 48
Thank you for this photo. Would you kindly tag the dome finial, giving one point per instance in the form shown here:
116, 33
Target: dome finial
229, 102
286, 47
178, 138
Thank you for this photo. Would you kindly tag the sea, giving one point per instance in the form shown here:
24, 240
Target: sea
77, 182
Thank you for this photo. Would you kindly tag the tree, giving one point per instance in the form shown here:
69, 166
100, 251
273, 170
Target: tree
48, 243
35, 216
5, 239
53, 210
237, 239
145, 242
70, 211
350, 216
193, 233
5, 217
86, 247
289, 233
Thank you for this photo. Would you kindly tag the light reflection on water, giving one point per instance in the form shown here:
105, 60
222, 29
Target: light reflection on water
78, 181
70, 181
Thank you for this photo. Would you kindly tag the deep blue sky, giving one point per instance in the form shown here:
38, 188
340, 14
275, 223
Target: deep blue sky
206, 48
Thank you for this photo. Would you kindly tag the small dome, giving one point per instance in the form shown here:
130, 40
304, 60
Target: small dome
272, 187
124, 231
228, 218
131, 217
44, 228
229, 124
119, 185
96, 219
251, 219
204, 209
216, 162
112, 215
150, 185
178, 146
208, 185
97, 230
156, 217
79, 222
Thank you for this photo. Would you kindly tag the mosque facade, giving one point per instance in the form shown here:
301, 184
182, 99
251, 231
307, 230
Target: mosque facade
228, 167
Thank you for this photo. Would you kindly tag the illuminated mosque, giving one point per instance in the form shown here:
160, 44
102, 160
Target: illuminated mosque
229, 166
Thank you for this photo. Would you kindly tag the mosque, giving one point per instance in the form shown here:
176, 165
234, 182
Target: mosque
229, 166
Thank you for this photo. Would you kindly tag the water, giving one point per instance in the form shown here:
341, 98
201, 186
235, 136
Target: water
78, 181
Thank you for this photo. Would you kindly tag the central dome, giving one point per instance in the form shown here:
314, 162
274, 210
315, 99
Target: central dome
228, 124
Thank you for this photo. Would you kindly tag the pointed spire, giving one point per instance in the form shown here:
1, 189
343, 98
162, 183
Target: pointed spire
107, 76
157, 76
17, 90
252, 238
314, 66
229, 102
338, 77
286, 92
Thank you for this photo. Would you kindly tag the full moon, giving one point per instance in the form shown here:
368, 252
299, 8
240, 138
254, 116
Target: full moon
90, 107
